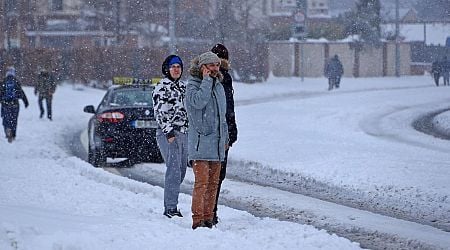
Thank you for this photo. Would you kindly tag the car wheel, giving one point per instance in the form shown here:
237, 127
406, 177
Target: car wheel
148, 157
155, 157
158, 158
97, 157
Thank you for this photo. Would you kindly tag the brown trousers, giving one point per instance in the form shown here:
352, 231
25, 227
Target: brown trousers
205, 189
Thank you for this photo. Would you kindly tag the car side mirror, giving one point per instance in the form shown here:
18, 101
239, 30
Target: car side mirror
89, 109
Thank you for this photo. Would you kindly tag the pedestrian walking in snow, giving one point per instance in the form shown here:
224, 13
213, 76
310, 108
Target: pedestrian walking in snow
10, 93
45, 88
445, 67
208, 134
334, 71
436, 71
171, 135
222, 52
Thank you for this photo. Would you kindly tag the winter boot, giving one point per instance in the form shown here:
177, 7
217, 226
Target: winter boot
9, 135
172, 212
215, 220
208, 224
197, 224
202, 223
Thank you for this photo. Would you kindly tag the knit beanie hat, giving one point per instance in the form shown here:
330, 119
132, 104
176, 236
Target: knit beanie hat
220, 50
175, 60
10, 71
169, 61
207, 58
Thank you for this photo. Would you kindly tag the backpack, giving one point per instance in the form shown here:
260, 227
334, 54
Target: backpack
10, 90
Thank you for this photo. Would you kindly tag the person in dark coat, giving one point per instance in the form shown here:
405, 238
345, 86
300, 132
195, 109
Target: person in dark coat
445, 70
45, 87
207, 134
436, 71
334, 71
222, 52
10, 93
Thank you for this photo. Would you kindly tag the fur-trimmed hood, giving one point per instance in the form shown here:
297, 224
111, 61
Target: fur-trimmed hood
225, 64
194, 70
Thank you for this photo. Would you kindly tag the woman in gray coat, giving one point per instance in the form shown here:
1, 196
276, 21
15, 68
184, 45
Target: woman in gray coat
208, 134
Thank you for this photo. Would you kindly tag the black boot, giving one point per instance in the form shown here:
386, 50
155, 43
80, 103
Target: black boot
200, 224
172, 212
9, 135
208, 224
215, 220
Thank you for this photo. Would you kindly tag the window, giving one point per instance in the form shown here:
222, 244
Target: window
132, 97
57, 5
283, 7
288, 3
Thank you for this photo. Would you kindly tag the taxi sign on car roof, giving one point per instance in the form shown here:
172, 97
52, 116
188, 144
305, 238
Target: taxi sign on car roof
120, 80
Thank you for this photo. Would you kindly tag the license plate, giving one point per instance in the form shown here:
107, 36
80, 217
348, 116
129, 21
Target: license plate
144, 124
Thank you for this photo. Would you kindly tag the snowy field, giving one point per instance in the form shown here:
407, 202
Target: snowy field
358, 138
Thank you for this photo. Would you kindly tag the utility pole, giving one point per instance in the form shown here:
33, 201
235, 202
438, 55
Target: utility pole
118, 22
7, 17
172, 38
397, 39
299, 32
222, 11
424, 33
8, 33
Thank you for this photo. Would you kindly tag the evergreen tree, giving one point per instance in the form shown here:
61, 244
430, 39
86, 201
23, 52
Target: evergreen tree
365, 21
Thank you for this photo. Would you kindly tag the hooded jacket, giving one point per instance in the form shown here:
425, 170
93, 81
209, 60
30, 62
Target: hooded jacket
46, 84
20, 94
168, 103
334, 68
206, 109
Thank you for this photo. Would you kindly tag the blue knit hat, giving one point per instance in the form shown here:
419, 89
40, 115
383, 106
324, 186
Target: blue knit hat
169, 61
175, 60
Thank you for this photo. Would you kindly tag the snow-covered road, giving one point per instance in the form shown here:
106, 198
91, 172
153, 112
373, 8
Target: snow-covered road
304, 138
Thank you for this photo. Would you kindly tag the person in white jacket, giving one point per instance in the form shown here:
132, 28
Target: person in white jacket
171, 136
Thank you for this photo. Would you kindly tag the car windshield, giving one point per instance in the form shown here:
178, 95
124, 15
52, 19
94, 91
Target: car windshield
131, 97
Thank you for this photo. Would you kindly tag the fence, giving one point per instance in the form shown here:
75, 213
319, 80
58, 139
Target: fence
309, 58
102, 63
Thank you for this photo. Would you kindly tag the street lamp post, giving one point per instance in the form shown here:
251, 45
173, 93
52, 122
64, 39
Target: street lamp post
118, 22
397, 39
299, 32
172, 38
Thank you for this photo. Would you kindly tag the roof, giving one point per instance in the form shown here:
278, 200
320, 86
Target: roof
430, 33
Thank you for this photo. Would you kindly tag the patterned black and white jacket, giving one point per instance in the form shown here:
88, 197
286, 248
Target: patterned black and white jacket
168, 106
